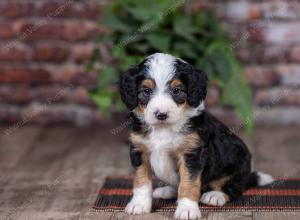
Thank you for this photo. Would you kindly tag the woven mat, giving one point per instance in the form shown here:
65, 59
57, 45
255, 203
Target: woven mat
282, 195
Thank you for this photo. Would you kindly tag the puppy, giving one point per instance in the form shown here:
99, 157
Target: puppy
173, 136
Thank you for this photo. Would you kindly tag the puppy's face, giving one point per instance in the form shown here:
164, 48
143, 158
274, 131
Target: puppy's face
163, 90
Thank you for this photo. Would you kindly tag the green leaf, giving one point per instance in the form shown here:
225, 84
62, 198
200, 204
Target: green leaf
186, 49
120, 106
108, 76
103, 99
183, 27
127, 62
91, 65
140, 47
201, 19
115, 23
237, 93
207, 67
160, 42
143, 14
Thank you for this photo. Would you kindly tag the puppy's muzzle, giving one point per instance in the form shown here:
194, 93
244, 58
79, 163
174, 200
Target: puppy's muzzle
161, 116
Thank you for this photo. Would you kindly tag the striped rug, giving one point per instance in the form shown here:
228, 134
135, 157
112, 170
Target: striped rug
282, 195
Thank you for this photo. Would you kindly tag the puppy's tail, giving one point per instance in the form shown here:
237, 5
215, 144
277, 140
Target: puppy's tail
259, 179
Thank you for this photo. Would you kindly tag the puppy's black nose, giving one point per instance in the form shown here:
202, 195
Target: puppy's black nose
161, 116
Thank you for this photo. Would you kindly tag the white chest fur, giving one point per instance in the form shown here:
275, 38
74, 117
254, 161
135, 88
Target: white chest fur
164, 167
161, 143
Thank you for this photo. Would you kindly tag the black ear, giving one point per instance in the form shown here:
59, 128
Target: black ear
128, 86
197, 87
195, 81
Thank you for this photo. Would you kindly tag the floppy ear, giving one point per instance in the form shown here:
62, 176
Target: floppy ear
128, 86
197, 86
195, 81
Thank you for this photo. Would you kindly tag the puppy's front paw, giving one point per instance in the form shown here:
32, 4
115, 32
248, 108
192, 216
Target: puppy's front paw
215, 198
139, 206
187, 209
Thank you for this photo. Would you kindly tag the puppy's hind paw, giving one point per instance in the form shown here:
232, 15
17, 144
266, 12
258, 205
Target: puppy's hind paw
215, 198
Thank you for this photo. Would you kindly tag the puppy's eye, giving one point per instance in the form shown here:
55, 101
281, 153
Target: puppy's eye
176, 91
147, 92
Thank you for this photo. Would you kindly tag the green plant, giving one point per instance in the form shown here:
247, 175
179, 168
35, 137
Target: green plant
140, 28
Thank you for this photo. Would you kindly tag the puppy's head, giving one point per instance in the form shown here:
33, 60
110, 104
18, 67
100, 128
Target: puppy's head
164, 90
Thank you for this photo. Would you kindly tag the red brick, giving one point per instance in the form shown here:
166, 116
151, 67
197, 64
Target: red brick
6, 30
50, 52
274, 53
62, 94
288, 74
82, 52
87, 9
15, 52
15, 95
73, 75
93, 10
242, 10
281, 9
41, 113
17, 9
44, 94
261, 76
76, 31
56, 8
295, 54
278, 96
57, 30
242, 33
281, 32
284, 116
77, 115
265, 31
10, 113
23, 75
39, 30
262, 54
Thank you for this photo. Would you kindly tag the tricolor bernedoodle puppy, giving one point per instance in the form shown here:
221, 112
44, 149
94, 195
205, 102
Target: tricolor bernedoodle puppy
176, 139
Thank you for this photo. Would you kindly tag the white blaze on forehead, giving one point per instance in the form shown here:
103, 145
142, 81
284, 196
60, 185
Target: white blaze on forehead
161, 67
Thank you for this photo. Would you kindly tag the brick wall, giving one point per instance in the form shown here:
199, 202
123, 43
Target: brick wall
267, 40
44, 45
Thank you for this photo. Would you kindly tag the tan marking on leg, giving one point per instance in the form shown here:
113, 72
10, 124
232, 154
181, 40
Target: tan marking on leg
143, 172
189, 187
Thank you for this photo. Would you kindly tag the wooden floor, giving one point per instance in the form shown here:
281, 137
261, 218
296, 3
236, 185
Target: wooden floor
54, 173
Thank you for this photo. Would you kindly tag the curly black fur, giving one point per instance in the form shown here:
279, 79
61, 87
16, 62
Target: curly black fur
225, 154
195, 81
129, 83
